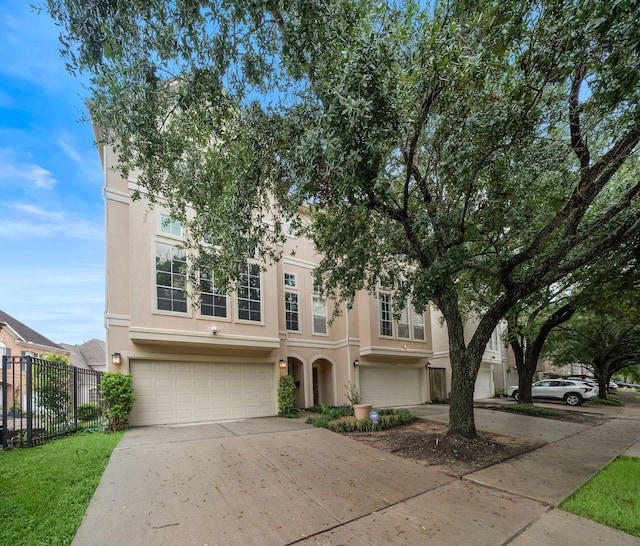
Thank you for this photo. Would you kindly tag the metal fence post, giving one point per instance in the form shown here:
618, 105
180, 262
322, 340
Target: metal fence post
5, 401
29, 400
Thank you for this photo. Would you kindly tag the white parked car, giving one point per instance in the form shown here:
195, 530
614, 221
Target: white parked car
570, 391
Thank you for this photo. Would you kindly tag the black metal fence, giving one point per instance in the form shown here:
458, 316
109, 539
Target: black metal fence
42, 400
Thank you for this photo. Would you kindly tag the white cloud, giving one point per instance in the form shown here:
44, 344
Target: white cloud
71, 151
16, 172
31, 221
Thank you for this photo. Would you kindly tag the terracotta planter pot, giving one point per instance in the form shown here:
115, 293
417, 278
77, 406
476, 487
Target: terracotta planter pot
362, 411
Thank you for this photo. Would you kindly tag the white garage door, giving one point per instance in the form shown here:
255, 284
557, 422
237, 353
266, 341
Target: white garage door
185, 392
385, 387
484, 385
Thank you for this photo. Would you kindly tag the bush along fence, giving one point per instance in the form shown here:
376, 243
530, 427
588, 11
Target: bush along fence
44, 399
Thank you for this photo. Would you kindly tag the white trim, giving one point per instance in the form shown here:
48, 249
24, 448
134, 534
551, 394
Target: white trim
162, 336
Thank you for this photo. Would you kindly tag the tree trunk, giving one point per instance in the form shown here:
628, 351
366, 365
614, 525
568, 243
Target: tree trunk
465, 362
525, 377
601, 370
527, 350
461, 418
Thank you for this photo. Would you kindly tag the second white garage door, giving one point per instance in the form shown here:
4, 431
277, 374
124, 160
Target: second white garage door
185, 392
385, 387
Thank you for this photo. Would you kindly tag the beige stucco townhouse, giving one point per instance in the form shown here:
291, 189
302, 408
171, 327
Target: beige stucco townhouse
220, 357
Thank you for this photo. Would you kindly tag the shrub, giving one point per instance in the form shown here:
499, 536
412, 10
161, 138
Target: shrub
352, 394
87, 412
530, 409
286, 394
322, 421
117, 393
389, 418
52, 386
610, 401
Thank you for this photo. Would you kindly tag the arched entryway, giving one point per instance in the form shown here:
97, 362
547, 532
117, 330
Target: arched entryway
296, 370
323, 383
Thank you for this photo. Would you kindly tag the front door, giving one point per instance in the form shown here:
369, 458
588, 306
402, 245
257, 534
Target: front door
316, 396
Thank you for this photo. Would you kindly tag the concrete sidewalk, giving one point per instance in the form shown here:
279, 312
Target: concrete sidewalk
277, 481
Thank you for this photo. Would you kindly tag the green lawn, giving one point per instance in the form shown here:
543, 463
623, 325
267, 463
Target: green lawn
45, 490
611, 497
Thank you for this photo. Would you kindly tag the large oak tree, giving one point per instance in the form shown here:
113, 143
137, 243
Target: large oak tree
463, 150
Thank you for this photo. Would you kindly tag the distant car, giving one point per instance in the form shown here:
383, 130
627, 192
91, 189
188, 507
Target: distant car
593, 382
571, 392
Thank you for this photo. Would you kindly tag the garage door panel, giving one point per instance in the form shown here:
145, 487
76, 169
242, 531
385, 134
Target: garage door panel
392, 386
183, 392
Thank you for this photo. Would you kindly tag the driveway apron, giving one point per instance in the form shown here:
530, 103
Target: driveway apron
278, 481
259, 481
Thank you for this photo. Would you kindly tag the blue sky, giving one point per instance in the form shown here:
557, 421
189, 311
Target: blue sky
52, 228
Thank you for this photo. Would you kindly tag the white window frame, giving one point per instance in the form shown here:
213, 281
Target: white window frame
417, 324
170, 226
174, 278
287, 279
385, 313
404, 323
251, 268
493, 344
291, 314
213, 294
319, 303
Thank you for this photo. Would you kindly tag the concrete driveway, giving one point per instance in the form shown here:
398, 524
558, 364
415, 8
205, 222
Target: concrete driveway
279, 481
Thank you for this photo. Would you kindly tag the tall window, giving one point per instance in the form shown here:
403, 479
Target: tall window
403, 324
170, 226
213, 303
494, 342
319, 315
418, 324
291, 312
249, 294
386, 314
171, 263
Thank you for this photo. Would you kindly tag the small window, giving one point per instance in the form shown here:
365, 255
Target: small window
290, 280
170, 226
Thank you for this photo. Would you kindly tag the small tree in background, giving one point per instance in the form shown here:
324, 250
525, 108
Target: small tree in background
117, 394
52, 386
286, 394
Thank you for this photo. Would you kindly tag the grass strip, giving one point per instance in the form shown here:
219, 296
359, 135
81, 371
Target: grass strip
45, 490
611, 497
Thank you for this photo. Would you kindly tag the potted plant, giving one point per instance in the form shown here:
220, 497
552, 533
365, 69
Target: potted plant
360, 410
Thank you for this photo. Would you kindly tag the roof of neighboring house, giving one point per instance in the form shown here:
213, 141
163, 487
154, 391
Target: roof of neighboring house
88, 355
26, 334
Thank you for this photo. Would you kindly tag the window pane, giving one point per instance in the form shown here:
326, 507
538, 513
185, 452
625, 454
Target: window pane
386, 317
170, 279
291, 311
319, 316
290, 280
249, 294
170, 226
403, 324
418, 325
212, 302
